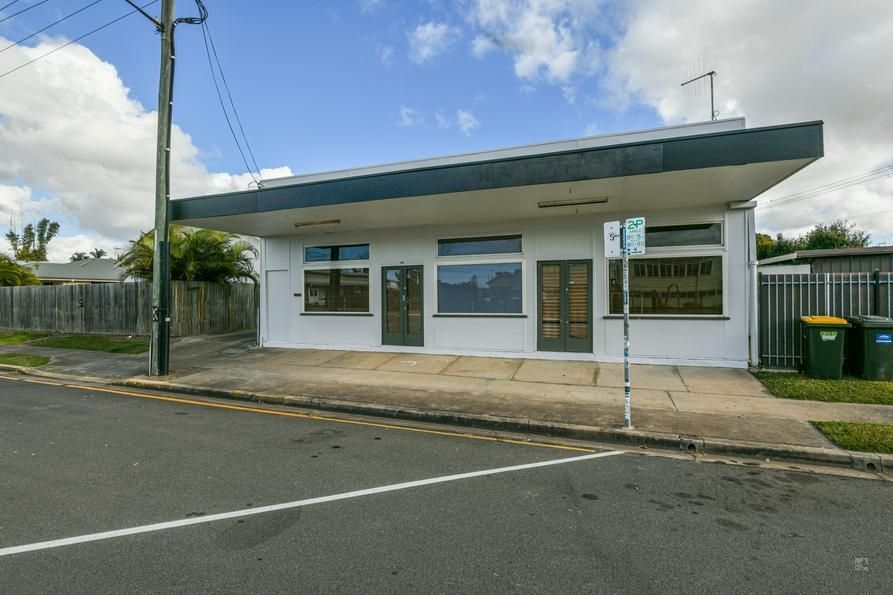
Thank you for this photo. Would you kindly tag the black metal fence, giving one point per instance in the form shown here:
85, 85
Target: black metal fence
125, 308
785, 298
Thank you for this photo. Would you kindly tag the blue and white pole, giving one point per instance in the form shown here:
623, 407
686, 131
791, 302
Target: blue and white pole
626, 385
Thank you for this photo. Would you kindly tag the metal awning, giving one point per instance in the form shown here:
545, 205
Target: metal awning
671, 172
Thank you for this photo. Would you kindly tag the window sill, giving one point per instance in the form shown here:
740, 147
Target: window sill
336, 314
667, 317
480, 315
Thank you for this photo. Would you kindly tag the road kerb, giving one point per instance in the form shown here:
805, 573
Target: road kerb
634, 438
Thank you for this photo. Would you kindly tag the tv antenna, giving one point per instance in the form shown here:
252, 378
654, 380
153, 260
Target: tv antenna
711, 74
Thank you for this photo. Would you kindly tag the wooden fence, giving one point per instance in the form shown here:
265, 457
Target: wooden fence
126, 308
785, 298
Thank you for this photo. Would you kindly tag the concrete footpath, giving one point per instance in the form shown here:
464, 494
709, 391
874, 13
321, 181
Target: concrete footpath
712, 410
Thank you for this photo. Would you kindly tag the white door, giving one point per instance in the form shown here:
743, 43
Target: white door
278, 300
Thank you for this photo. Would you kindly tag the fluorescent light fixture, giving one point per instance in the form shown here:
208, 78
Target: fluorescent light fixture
573, 202
324, 222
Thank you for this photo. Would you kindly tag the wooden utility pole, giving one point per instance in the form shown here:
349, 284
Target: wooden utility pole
159, 352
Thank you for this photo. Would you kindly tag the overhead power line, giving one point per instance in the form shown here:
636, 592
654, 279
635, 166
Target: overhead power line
76, 39
209, 44
856, 180
15, 14
53, 24
8, 5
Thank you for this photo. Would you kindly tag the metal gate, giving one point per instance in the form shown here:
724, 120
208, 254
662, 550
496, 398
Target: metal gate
785, 298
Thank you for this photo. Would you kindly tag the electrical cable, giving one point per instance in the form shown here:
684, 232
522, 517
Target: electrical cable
8, 5
53, 51
830, 187
15, 14
223, 105
231, 102
53, 24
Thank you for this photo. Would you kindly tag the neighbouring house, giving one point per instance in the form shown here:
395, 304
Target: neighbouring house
89, 271
832, 260
501, 253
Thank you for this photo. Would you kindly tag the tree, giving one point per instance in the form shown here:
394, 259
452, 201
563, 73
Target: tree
98, 253
12, 274
78, 256
31, 246
196, 255
838, 234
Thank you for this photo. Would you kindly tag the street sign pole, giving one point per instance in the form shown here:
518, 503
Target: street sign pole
627, 418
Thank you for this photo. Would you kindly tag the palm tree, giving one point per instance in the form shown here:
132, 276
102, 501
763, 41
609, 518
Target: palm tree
12, 274
196, 255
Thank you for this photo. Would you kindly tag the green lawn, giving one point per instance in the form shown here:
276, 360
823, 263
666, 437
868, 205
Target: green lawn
860, 437
23, 359
848, 390
96, 343
16, 337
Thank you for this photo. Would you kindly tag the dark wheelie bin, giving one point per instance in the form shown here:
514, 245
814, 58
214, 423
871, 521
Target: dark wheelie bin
821, 342
870, 347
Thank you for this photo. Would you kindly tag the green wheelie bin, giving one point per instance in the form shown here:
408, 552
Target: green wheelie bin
821, 343
870, 347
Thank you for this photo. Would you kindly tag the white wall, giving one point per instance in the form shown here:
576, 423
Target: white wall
718, 341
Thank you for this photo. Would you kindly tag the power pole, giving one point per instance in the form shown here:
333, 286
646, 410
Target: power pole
159, 352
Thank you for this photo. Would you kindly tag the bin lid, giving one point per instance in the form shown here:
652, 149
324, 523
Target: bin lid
871, 321
824, 320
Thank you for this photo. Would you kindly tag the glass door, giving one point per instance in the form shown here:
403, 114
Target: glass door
565, 305
402, 306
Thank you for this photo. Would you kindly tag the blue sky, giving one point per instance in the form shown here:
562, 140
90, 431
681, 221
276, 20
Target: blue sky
320, 85
325, 85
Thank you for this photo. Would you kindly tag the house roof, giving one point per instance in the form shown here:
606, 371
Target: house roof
93, 269
689, 165
827, 253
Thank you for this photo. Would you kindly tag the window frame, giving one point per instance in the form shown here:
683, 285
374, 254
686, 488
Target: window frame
305, 262
697, 247
665, 252
326, 265
478, 236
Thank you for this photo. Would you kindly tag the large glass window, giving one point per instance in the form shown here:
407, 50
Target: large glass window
336, 290
480, 288
698, 234
336, 253
670, 286
478, 246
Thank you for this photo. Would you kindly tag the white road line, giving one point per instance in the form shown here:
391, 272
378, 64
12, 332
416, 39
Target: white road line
44, 545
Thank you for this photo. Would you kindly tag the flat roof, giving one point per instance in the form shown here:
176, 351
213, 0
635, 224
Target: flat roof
91, 269
828, 253
586, 142
747, 161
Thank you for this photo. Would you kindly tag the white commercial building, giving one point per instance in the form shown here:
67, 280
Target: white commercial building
501, 253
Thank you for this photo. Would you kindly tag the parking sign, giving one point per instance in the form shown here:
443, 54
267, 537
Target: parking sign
635, 236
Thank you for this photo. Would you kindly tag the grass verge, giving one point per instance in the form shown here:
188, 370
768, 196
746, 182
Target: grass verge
848, 390
858, 436
23, 359
16, 337
96, 343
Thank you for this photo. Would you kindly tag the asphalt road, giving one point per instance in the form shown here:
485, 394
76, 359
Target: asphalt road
77, 461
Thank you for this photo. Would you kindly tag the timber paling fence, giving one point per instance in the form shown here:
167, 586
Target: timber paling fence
785, 298
126, 308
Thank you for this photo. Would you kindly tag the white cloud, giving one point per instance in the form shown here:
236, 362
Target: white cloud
777, 62
441, 120
70, 129
546, 38
467, 122
409, 116
386, 55
429, 40
367, 6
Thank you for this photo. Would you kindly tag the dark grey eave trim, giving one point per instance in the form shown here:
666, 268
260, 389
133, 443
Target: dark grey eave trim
337, 314
719, 149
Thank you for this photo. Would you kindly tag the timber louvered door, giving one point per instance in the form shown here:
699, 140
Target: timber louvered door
564, 305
